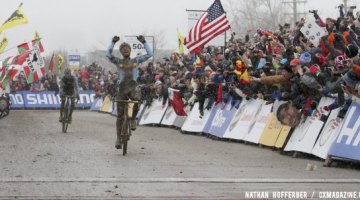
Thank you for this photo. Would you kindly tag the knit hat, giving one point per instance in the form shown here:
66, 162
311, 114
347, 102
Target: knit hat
351, 51
321, 58
305, 58
295, 62
208, 68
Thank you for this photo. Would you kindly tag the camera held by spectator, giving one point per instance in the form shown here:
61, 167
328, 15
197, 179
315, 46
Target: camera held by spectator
313, 11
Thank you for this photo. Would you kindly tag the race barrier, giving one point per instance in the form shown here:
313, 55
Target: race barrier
47, 100
347, 142
305, 135
219, 119
254, 121
193, 122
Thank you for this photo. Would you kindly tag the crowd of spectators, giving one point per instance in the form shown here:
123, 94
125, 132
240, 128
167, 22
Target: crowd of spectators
272, 65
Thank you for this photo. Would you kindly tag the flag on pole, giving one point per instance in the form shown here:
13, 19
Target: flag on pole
52, 63
60, 62
244, 78
219, 94
211, 24
17, 18
181, 42
176, 102
10, 68
37, 36
3, 44
35, 63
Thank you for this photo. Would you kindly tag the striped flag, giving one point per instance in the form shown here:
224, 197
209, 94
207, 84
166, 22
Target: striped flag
52, 64
211, 24
34, 67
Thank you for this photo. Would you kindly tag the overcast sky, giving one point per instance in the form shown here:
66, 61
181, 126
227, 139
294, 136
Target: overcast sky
90, 24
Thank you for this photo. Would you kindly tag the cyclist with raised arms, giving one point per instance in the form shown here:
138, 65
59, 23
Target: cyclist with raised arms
127, 69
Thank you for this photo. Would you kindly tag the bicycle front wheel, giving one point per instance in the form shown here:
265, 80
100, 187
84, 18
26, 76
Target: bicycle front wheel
125, 135
65, 118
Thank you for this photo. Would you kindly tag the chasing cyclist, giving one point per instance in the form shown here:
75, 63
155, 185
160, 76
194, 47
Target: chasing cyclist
68, 87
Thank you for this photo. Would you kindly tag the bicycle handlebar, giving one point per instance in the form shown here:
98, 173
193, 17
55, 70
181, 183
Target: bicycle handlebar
126, 101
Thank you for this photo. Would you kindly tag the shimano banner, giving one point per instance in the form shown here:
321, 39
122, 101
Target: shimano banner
47, 99
17, 100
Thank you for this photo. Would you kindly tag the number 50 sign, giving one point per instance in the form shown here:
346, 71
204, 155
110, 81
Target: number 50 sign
136, 46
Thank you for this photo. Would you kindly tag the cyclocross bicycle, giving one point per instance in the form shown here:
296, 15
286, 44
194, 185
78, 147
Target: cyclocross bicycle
66, 113
126, 123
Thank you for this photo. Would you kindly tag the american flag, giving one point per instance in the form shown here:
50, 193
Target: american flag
211, 24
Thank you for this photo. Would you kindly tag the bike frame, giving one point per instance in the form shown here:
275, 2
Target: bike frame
126, 129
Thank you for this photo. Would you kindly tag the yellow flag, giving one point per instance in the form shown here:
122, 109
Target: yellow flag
37, 36
198, 60
181, 42
244, 78
60, 62
3, 44
17, 18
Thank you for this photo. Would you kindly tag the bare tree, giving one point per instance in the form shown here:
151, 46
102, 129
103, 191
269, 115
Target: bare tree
265, 14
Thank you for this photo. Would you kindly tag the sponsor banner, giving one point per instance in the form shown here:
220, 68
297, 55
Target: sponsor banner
193, 122
17, 100
86, 99
169, 117
106, 105
47, 99
304, 137
327, 135
114, 111
138, 116
257, 127
154, 113
220, 118
74, 61
346, 144
280, 142
180, 120
271, 131
244, 119
96, 105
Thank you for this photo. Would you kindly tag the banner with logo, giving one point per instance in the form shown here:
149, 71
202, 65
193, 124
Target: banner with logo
193, 122
154, 113
327, 135
280, 142
47, 99
244, 118
271, 131
107, 105
96, 105
220, 118
180, 120
169, 117
347, 142
304, 137
17, 100
257, 127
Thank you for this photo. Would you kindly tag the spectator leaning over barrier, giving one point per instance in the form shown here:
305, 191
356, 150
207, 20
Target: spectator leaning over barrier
127, 70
